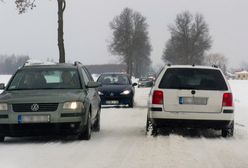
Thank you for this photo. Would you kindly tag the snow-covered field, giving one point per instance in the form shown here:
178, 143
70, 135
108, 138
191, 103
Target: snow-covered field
122, 143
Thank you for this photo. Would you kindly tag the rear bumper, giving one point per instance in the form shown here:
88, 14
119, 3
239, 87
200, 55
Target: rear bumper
20, 130
179, 123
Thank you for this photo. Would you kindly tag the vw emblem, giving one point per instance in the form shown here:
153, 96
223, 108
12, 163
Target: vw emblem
34, 107
112, 94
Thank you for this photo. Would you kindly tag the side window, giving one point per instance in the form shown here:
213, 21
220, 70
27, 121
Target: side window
85, 76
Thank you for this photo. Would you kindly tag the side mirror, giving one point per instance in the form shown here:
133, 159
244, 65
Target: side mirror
134, 84
2, 86
92, 84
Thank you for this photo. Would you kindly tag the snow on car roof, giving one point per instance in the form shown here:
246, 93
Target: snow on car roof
191, 66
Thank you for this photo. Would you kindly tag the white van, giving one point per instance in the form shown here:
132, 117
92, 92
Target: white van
187, 96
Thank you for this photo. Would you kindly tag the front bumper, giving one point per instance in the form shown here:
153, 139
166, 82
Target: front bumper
122, 100
38, 129
61, 122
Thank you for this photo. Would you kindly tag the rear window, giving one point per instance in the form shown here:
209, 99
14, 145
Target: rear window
189, 78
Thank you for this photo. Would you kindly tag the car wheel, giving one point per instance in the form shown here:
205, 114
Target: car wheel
86, 133
148, 124
228, 132
154, 130
1, 138
131, 103
96, 126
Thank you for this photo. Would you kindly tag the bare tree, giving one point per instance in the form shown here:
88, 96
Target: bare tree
130, 41
244, 65
216, 59
10, 63
189, 40
24, 5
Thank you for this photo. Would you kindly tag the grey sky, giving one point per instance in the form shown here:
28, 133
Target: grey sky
87, 27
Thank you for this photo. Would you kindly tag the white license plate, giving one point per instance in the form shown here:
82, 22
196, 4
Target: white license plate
33, 118
193, 100
112, 102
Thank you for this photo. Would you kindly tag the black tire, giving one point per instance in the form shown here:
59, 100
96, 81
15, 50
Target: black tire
2, 138
97, 125
148, 124
86, 133
154, 131
228, 132
130, 105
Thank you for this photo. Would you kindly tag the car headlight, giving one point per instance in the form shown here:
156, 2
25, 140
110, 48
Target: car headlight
100, 93
3, 106
73, 105
125, 92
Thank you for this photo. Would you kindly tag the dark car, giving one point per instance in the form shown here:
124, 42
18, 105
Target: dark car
145, 82
116, 89
50, 100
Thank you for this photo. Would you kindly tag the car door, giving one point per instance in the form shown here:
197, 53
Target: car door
91, 93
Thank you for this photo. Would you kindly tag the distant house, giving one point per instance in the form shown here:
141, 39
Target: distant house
243, 75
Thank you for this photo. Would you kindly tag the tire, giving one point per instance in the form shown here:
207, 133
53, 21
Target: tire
130, 105
2, 138
228, 132
154, 131
147, 124
97, 125
86, 133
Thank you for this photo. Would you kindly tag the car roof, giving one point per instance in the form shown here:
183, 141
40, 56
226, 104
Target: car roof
114, 73
52, 65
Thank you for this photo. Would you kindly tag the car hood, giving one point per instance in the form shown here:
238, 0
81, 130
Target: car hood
41, 96
114, 88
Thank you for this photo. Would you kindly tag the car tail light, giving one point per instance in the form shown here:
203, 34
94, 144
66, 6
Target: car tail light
227, 100
157, 97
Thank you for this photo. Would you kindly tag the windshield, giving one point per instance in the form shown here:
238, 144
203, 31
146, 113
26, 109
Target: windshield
189, 78
45, 79
114, 79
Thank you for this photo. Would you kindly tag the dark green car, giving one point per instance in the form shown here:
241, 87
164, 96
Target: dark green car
56, 99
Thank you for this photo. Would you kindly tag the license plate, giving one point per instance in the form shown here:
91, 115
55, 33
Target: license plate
112, 102
33, 118
193, 100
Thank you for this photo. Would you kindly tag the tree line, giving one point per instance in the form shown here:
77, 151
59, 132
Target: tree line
188, 43
10, 63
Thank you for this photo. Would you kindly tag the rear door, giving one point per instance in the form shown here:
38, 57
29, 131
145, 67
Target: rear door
193, 90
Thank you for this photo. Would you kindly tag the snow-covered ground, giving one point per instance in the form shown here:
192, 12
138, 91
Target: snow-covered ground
122, 143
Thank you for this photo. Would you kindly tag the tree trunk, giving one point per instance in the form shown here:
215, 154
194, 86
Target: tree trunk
61, 9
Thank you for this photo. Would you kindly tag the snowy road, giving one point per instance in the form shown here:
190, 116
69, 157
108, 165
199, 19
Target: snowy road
122, 143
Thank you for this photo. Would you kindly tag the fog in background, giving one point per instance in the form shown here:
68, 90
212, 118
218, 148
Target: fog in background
87, 31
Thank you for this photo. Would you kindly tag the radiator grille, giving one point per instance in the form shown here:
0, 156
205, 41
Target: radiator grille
42, 107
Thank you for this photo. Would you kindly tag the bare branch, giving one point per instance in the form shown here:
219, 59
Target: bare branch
24, 5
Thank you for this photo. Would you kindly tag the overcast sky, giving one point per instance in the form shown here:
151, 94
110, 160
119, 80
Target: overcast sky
87, 29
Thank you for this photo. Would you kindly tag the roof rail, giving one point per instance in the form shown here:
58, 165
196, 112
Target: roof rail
215, 66
77, 63
35, 62
168, 64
